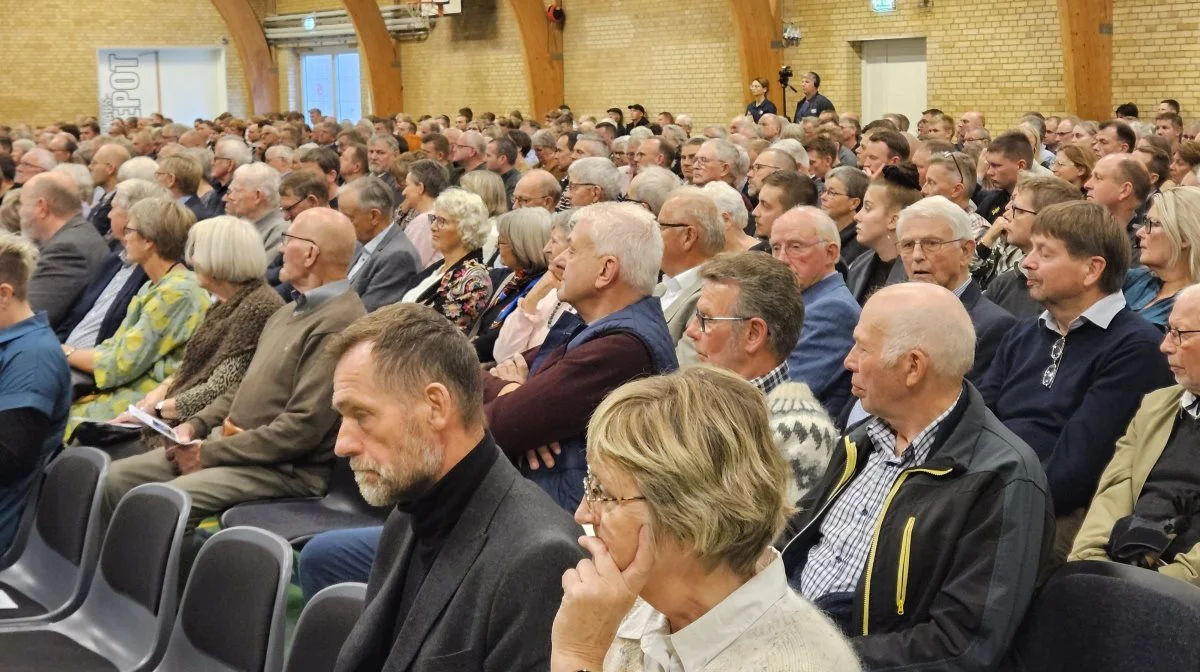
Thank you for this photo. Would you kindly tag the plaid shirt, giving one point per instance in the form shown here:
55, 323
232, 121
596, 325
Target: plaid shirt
838, 560
772, 379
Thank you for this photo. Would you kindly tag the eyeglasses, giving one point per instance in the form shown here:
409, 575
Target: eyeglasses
671, 225
833, 192
1178, 334
950, 157
793, 247
575, 185
705, 319
763, 166
1148, 225
288, 208
1056, 353
1018, 209
594, 494
130, 229
701, 160
907, 247
286, 237
439, 222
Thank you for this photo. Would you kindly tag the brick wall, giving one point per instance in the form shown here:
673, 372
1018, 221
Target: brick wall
1002, 57
49, 72
1156, 47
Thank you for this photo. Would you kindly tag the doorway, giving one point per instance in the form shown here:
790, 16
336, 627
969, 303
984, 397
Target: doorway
893, 78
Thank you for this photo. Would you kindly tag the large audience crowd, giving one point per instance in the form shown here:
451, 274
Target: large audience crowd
827, 394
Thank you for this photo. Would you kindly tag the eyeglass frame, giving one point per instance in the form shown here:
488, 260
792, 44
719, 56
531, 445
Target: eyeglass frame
285, 236
703, 320
593, 493
927, 245
1016, 208
1056, 354
1179, 334
439, 222
950, 156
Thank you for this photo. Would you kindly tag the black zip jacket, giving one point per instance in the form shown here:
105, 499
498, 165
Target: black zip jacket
956, 551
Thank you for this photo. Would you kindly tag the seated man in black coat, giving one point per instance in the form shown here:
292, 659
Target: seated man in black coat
100, 309
182, 174
469, 570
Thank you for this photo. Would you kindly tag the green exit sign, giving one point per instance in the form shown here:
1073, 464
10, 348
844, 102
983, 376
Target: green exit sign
881, 6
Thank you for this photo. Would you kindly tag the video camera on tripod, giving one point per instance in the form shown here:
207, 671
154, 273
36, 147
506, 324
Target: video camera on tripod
785, 76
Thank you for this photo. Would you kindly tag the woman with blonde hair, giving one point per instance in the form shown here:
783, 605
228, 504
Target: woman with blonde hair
685, 493
230, 266
1170, 242
490, 187
161, 318
1074, 163
458, 284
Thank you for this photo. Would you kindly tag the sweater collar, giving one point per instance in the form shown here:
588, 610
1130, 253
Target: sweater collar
438, 509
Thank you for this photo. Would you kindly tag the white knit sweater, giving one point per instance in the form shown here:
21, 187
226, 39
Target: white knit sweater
803, 433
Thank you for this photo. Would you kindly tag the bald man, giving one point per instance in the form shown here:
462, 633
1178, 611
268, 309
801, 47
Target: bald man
104, 166
272, 436
69, 247
951, 507
537, 189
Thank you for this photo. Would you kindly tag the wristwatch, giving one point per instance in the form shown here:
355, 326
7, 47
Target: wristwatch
158, 409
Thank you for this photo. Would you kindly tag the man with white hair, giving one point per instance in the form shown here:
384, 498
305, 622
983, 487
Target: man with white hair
807, 240
254, 196
652, 186
684, 121
590, 145
923, 538
69, 248
722, 161
138, 168
279, 157
538, 405
33, 162
692, 233
952, 175
229, 154
936, 245
592, 180
734, 216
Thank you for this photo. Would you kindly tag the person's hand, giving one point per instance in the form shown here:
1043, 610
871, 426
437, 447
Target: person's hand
514, 370
542, 455
185, 433
596, 596
124, 419
998, 227
529, 302
187, 458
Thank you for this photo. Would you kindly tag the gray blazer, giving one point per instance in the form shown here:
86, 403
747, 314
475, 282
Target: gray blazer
387, 272
679, 313
65, 263
490, 597
270, 227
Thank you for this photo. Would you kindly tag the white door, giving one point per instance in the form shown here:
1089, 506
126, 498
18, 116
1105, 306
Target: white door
893, 78
192, 83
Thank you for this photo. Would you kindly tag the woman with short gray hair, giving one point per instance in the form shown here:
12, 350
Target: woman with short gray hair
458, 285
161, 318
523, 234
425, 181
527, 326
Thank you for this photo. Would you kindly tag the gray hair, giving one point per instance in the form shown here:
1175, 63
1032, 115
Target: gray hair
599, 148
729, 202
544, 138
599, 171
564, 220
204, 157
939, 208
696, 205
719, 131
133, 190
43, 158
822, 223
468, 210
630, 234
235, 149
794, 149
371, 193
675, 133
621, 145
24, 145
527, 231
261, 178
735, 156
854, 179
389, 140
82, 177
226, 248
282, 151
176, 129
652, 186
957, 164
641, 132
476, 140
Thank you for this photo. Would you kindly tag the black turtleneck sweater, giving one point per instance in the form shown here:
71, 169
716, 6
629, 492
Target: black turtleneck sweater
434, 515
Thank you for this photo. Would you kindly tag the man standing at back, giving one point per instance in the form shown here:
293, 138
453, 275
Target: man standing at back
70, 248
443, 591
813, 103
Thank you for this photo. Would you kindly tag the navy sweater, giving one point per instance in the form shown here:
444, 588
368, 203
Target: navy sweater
1074, 425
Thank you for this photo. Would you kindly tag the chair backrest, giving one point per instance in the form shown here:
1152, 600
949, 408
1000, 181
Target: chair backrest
232, 616
324, 625
57, 555
1103, 616
130, 605
344, 495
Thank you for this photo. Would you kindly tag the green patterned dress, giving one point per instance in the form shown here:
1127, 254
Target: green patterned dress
146, 348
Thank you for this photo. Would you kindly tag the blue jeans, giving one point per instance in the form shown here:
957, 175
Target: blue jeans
340, 556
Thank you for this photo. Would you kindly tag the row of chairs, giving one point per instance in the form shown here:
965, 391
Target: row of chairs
86, 601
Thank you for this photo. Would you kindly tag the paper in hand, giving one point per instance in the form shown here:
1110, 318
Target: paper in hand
159, 426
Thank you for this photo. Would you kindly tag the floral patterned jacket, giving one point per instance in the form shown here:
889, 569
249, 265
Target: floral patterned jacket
463, 292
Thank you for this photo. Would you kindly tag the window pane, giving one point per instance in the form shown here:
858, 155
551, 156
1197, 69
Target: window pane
318, 82
349, 89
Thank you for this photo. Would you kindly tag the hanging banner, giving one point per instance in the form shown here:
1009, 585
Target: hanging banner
129, 84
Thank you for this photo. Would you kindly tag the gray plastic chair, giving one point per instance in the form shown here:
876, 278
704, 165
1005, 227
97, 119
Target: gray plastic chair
126, 617
323, 627
232, 616
57, 555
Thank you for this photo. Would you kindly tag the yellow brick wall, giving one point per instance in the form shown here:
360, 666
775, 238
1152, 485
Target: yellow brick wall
49, 71
1157, 49
1002, 57
664, 54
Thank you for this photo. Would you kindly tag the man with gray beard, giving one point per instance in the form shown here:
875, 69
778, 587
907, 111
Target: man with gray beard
465, 521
